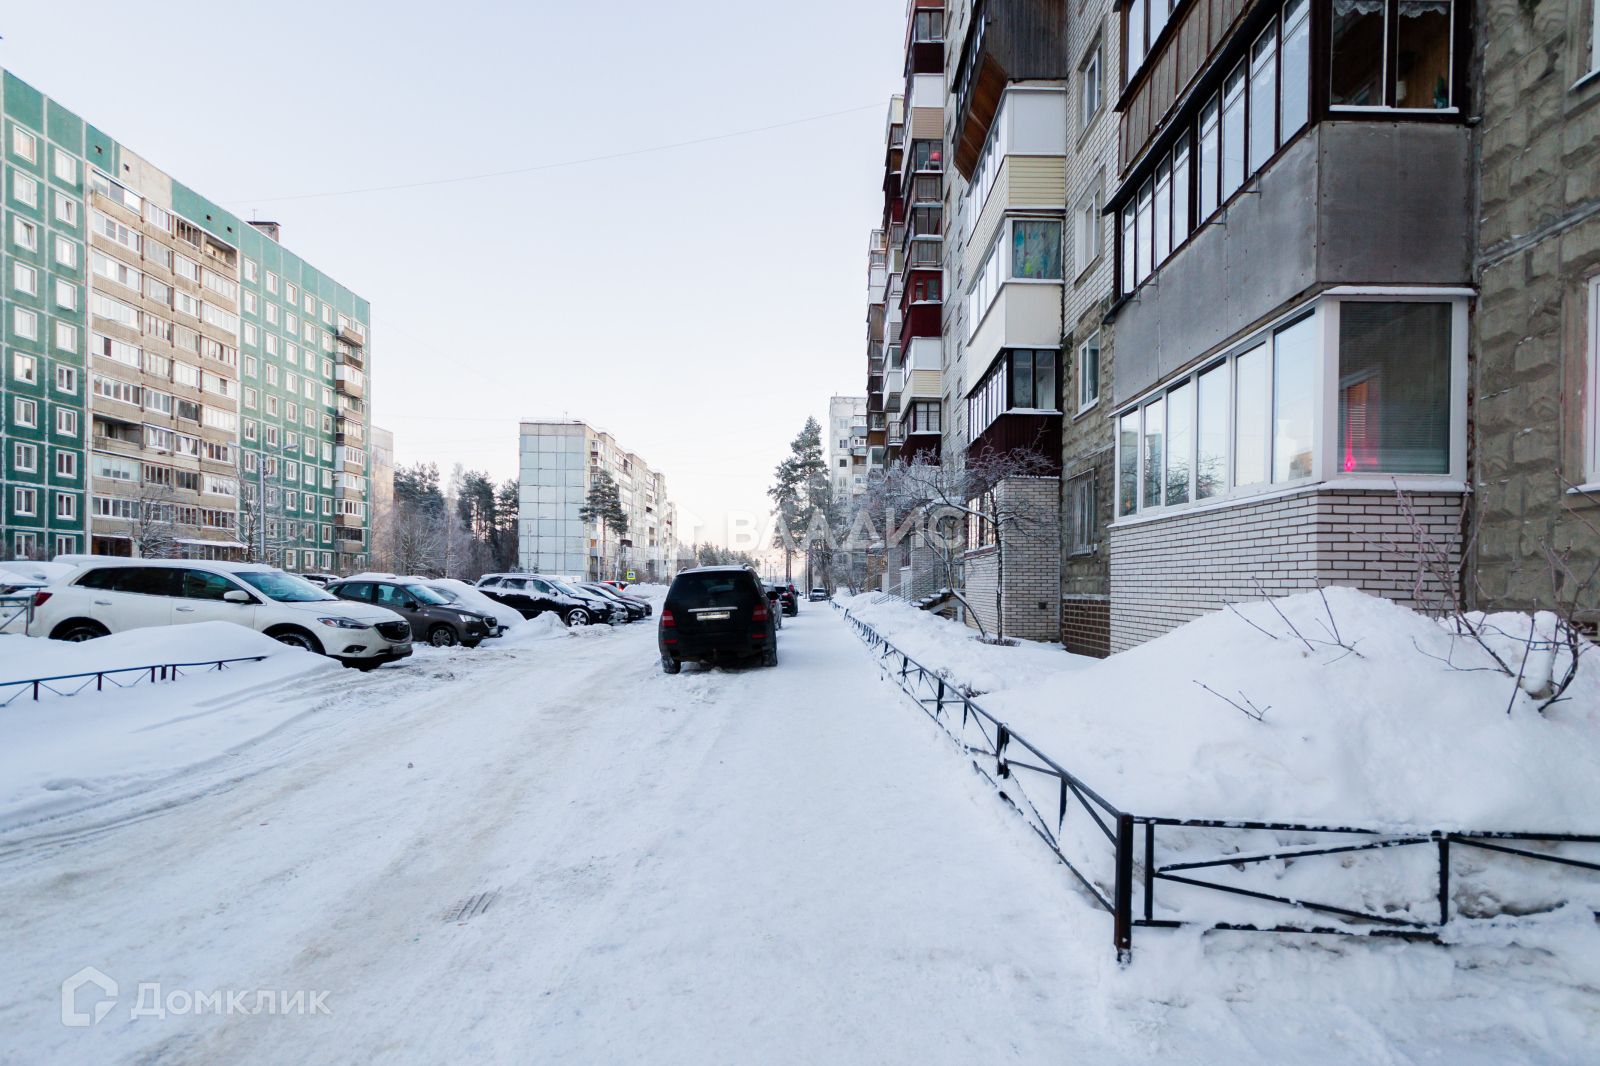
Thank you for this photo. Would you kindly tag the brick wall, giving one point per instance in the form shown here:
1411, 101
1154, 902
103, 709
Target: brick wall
1539, 245
1086, 625
1168, 571
1032, 594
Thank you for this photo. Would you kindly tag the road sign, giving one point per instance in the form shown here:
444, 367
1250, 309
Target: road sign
631, 576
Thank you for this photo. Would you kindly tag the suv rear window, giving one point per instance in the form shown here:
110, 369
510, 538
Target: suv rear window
702, 588
144, 580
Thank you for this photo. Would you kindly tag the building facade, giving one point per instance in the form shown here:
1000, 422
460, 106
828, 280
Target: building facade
846, 446
1536, 328
559, 461
176, 382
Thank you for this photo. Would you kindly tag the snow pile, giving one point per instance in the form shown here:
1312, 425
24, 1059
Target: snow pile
953, 649
1344, 710
547, 626
66, 751
24, 572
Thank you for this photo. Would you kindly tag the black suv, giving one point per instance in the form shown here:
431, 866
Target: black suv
716, 613
635, 609
433, 618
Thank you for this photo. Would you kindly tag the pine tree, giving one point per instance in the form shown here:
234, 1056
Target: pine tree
604, 506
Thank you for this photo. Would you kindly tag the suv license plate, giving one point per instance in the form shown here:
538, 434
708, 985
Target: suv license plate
714, 616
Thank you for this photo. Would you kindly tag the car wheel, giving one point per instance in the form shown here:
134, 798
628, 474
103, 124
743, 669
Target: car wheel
443, 636
669, 665
578, 616
78, 632
769, 657
470, 643
296, 638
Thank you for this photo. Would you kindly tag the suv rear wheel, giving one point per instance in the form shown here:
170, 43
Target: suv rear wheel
442, 636
578, 616
79, 630
669, 665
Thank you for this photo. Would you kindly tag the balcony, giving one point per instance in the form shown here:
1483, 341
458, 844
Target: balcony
926, 253
1007, 41
897, 433
349, 521
347, 334
350, 381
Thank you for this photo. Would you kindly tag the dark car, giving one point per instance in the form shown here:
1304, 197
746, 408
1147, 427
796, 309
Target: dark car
716, 614
775, 601
789, 599
531, 595
433, 618
635, 610
600, 608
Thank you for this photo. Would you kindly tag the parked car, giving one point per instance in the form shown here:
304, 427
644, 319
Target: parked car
649, 608
496, 627
715, 614
634, 609
819, 595
432, 617
117, 595
322, 581
775, 601
532, 595
788, 600
600, 608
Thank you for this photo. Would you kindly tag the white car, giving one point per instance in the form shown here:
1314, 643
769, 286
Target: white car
114, 595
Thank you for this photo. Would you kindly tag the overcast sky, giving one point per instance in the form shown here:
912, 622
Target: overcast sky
699, 302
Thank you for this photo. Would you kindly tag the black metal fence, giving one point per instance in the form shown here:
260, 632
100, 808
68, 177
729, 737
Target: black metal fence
1120, 858
123, 677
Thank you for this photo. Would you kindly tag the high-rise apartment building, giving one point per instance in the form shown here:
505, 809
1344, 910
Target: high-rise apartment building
559, 461
845, 445
176, 382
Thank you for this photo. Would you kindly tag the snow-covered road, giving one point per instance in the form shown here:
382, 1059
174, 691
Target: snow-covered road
555, 853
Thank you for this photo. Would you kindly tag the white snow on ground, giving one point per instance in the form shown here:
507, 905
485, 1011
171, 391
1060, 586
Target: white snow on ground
1386, 735
773, 866
67, 751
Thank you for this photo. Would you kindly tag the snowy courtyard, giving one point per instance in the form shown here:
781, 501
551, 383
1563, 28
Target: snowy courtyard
545, 850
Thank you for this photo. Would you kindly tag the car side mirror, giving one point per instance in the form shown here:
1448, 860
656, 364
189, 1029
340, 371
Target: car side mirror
236, 596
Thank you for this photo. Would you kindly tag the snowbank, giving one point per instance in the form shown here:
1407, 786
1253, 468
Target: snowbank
1386, 735
547, 626
65, 751
23, 572
954, 649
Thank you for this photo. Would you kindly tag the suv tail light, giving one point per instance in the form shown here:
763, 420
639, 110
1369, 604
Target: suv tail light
41, 598
667, 621
760, 613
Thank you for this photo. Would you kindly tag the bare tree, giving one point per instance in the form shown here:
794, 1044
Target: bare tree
154, 526
263, 527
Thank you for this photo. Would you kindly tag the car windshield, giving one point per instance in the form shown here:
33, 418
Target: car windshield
426, 595
449, 597
562, 586
285, 588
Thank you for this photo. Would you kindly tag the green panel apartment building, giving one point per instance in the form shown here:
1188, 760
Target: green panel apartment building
175, 381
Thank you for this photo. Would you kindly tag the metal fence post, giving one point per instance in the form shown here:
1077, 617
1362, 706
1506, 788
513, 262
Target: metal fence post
1444, 879
1122, 914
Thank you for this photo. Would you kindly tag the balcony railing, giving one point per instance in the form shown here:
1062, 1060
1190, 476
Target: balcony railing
927, 252
897, 433
927, 189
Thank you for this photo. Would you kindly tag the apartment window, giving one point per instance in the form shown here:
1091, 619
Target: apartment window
66, 464
1086, 227
1036, 250
24, 190
1263, 97
24, 278
291, 295
1085, 515
1090, 88
1294, 101
1394, 388
66, 336
66, 506
25, 502
272, 282
158, 253
66, 379
65, 166
25, 457
66, 295
1391, 54
24, 368
66, 210
1089, 373
925, 417
108, 227
24, 234
66, 422
24, 145
1251, 420
25, 323
927, 27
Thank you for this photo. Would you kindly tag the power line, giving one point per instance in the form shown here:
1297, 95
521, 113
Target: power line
557, 166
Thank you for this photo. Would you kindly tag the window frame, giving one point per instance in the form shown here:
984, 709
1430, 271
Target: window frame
1323, 311
1592, 416
1084, 379
1459, 17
